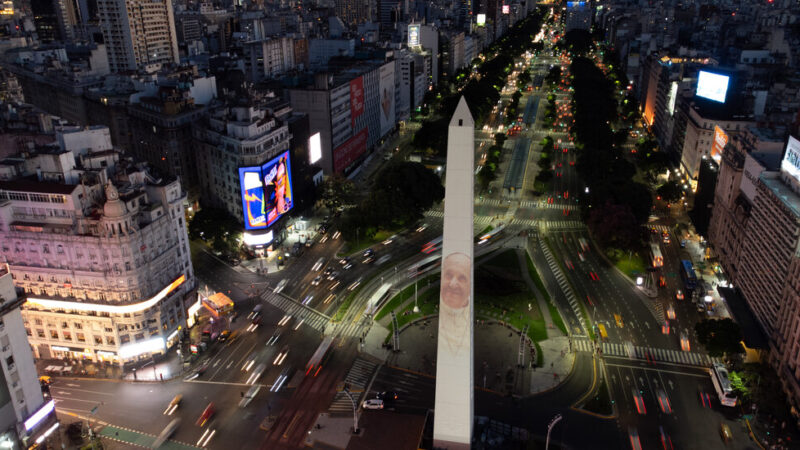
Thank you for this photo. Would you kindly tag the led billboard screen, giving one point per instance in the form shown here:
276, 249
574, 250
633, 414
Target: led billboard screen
481, 19
712, 86
314, 148
791, 159
506, 9
413, 35
673, 95
266, 192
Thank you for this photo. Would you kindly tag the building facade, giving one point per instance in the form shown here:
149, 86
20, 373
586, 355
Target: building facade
138, 33
101, 251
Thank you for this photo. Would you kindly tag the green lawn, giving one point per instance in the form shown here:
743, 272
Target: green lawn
630, 263
581, 306
365, 242
404, 295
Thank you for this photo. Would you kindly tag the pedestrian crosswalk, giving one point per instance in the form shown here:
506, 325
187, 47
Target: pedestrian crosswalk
637, 352
545, 225
561, 225
310, 317
562, 283
562, 206
358, 377
527, 204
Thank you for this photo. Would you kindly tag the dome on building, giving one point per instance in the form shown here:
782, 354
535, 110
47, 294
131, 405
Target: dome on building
114, 207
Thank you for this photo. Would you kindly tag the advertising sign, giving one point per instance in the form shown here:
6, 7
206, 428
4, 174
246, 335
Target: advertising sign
266, 192
720, 141
712, 86
506, 9
673, 95
348, 152
413, 35
791, 159
314, 148
481, 19
356, 98
386, 91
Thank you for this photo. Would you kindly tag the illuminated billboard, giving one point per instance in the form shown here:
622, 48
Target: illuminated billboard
673, 95
720, 141
356, 99
314, 148
386, 92
791, 159
481, 19
413, 35
266, 192
506, 9
712, 86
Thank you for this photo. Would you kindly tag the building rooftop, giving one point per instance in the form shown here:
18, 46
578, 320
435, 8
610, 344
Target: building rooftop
783, 192
33, 185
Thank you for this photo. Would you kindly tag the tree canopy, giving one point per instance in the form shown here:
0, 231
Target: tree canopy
217, 227
720, 337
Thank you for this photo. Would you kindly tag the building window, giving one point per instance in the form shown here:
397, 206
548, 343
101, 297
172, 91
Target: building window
64, 325
10, 361
28, 331
138, 336
81, 337
77, 326
53, 334
124, 339
67, 336
98, 340
110, 340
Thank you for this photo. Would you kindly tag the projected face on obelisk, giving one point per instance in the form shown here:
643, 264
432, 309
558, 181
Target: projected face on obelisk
455, 294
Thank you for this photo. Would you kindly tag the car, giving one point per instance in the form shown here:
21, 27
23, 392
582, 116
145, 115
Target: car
348, 266
316, 280
663, 402
308, 299
173, 405
248, 396
368, 252
725, 432
666, 441
344, 260
207, 414
373, 403
679, 294
701, 307
390, 239
618, 319
165, 434
422, 228
328, 271
274, 338
281, 356
665, 327
705, 399
633, 437
387, 396
685, 344
594, 276
666, 239
368, 260
333, 275
638, 400
671, 312
225, 335
661, 281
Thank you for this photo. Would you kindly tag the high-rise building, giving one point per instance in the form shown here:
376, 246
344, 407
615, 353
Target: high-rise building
353, 11
578, 15
25, 418
100, 248
138, 33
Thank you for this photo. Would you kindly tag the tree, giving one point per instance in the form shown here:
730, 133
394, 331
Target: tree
337, 191
615, 226
577, 41
720, 337
670, 191
218, 228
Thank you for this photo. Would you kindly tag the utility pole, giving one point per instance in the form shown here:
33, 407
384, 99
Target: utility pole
355, 410
550, 426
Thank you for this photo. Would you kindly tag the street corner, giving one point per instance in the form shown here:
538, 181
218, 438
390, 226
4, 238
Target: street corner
557, 362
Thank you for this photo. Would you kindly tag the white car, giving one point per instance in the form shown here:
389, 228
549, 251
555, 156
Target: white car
316, 281
373, 403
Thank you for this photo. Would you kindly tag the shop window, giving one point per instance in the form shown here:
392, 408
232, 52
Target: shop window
81, 337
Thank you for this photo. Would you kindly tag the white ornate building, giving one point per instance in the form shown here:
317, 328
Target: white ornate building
100, 249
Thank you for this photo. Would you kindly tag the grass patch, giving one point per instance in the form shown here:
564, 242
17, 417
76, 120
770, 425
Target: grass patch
600, 403
366, 242
484, 231
539, 355
349, 299
630, 263
537, 280
402, 296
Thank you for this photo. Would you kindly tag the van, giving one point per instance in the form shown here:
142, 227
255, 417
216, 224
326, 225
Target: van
725, 433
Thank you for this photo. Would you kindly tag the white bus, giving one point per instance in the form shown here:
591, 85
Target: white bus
584, 245
658, 260
425, 265
377, 298
722, 384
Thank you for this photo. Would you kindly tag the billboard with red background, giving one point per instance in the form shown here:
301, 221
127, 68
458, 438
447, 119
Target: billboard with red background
348, 152
356, 98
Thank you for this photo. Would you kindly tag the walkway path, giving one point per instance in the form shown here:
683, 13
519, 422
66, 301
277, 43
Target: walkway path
552, 331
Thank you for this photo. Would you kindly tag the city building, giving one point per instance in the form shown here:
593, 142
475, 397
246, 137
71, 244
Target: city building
352, 110
98, 245
138, 33
241, 133
268, 58
578, 15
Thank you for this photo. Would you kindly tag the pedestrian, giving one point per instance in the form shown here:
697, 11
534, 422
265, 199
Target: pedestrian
551, 365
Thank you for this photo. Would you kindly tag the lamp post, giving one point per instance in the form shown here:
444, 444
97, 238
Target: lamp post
355, 415
550, 426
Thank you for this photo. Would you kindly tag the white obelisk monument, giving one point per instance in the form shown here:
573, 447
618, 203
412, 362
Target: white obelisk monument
452, 425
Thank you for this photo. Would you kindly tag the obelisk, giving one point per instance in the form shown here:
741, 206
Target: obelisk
452, 425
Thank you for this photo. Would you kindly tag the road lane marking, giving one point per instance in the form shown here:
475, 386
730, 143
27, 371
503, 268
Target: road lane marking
86, 390
657, 370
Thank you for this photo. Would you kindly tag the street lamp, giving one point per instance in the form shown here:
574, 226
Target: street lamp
355, 415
